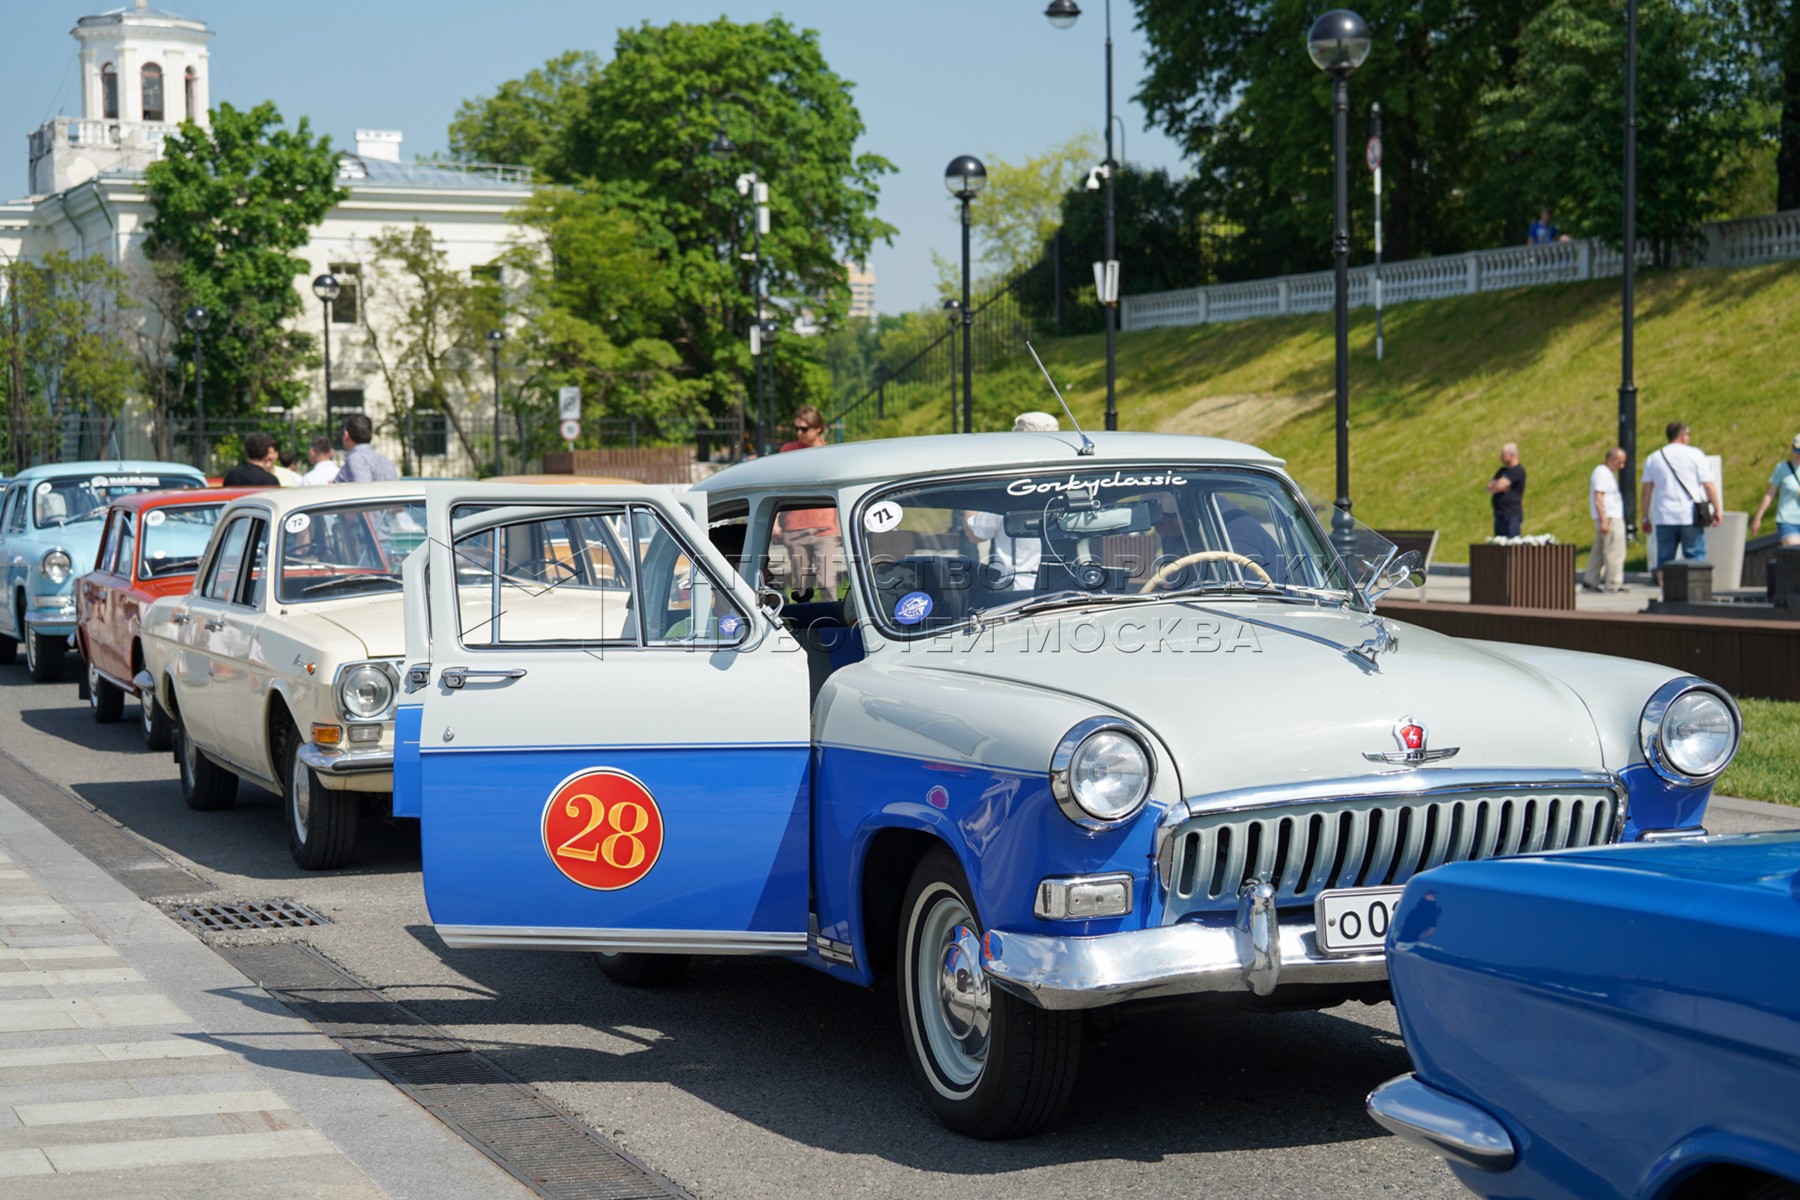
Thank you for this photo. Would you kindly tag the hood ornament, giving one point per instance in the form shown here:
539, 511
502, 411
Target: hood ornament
1385, 639
1413, 751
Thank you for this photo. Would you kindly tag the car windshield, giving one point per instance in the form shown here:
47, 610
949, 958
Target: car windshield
355, 549
940, 554
172, 537
71, 499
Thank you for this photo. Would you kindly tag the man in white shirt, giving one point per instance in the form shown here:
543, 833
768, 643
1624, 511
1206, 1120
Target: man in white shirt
1606, 562
1676, 478
1012, 563
324, 463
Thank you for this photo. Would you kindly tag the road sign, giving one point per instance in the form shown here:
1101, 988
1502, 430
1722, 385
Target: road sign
570, 429
568, 403
1373, 154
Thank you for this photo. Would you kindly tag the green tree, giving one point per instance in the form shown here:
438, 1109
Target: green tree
1022, 206
233, 202
63, 341
645, 121
1558, 128
529, 121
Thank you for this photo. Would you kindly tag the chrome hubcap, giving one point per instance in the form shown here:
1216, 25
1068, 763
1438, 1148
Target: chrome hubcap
962, 987
300, 788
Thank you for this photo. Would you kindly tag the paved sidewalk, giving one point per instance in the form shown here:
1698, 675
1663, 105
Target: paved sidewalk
136, 1062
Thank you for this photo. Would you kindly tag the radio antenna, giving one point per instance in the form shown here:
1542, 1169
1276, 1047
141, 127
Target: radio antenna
1087, 445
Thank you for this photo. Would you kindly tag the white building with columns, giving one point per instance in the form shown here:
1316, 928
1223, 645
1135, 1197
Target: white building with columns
143, 72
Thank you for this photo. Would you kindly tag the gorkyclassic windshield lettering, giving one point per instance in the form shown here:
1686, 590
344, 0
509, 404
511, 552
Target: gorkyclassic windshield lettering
1016, 729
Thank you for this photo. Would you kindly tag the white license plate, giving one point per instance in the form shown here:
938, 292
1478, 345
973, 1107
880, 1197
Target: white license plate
1355, 920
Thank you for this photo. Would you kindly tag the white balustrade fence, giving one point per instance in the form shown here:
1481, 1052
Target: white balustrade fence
1740, 243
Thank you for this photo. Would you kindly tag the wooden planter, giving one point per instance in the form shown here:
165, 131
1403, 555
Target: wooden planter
1522, 576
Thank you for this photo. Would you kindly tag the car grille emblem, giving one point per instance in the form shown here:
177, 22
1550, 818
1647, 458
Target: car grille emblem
1413, 739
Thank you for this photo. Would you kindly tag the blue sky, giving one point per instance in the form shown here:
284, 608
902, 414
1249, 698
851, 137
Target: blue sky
934, 79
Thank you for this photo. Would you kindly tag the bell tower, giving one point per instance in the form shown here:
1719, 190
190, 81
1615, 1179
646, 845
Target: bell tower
143, 72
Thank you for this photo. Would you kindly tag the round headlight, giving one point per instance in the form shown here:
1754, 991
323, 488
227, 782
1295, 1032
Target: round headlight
1100, 773
1699, 734
56, 567
365, 692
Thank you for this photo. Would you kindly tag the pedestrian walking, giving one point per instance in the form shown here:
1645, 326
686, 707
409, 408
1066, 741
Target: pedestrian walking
363, 463
1606, 504
324, 467
1784, 493
1507, 490
1680, 498
253, 471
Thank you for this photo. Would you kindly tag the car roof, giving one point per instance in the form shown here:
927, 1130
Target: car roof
282, 501
111, 466
138, 501
894, 458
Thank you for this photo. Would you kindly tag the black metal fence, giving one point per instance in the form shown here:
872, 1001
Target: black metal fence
922, 368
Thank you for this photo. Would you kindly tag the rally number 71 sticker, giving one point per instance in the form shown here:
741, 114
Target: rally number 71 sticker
602, 829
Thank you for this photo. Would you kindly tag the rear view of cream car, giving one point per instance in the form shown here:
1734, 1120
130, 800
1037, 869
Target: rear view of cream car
282, 665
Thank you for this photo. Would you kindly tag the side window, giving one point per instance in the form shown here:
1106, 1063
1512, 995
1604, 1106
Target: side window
258, 559
682, 603
805, 559
108, 558
15, 510
560, 579
226, 568
127, 544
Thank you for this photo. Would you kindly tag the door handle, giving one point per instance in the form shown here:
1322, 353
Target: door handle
455, 677
216, 624
179, 618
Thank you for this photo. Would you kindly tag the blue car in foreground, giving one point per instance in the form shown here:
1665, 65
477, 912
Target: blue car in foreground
1616, 1022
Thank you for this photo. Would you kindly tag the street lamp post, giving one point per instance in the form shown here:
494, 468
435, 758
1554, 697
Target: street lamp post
494, 339
749, 184
965, 177
327, 289
953, 313
1062, 15
1338, 43
1627, 386
197, 319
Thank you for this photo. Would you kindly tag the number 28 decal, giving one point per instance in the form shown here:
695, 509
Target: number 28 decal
602, 829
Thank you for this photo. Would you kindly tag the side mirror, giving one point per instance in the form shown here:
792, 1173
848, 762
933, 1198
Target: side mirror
769, 597
1404, 570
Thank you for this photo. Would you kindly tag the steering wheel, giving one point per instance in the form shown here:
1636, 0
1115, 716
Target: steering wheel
524, 568
1199, 556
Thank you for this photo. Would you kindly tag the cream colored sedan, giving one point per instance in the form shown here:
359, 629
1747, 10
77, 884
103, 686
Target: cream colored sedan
281, 666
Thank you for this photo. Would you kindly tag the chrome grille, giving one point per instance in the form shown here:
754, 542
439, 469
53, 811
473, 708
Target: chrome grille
1307, 848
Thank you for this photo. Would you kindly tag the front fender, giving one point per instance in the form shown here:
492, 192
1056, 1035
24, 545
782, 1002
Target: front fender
1715, 1147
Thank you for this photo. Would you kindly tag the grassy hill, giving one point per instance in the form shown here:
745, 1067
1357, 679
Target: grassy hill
1719, 349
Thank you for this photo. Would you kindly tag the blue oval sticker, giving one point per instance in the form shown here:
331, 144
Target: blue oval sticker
729, 625
912, 608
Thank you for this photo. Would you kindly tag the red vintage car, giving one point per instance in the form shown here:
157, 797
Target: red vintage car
150, 548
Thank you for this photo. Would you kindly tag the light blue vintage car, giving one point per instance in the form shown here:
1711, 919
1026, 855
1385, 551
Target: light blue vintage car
51, 517
1025, 723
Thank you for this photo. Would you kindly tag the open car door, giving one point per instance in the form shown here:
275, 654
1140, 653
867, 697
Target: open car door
611, 740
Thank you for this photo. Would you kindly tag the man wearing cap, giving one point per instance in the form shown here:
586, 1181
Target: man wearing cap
1784, 488
1012, 563
1606, 562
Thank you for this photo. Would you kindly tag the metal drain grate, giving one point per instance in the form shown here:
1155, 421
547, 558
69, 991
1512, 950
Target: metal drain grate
250, 914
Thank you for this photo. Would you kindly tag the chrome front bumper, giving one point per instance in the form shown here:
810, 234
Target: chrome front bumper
327, 761
1442, 1124
1254, 954
51, 623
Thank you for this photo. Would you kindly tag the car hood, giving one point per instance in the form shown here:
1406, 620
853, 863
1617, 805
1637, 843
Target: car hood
1761, 861
1249, 694
376, 623
80, 541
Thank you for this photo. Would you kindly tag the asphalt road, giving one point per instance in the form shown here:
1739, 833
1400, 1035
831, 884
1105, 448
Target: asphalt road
756, 1078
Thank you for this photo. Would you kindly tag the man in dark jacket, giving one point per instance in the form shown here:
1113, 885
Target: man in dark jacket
259, 456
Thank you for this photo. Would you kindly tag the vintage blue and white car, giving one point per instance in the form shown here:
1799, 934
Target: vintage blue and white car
50, 522
1614, 1022
1028, 723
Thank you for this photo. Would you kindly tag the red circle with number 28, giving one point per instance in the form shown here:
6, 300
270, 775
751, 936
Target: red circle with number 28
603, 830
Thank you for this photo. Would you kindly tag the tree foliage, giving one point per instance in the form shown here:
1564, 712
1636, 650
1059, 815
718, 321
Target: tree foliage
1490, 110
643, 123
62, 348
1022, 205
233, 202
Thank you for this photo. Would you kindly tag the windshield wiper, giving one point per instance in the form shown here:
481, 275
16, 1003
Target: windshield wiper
391, 581
1257, 588
1027, 605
